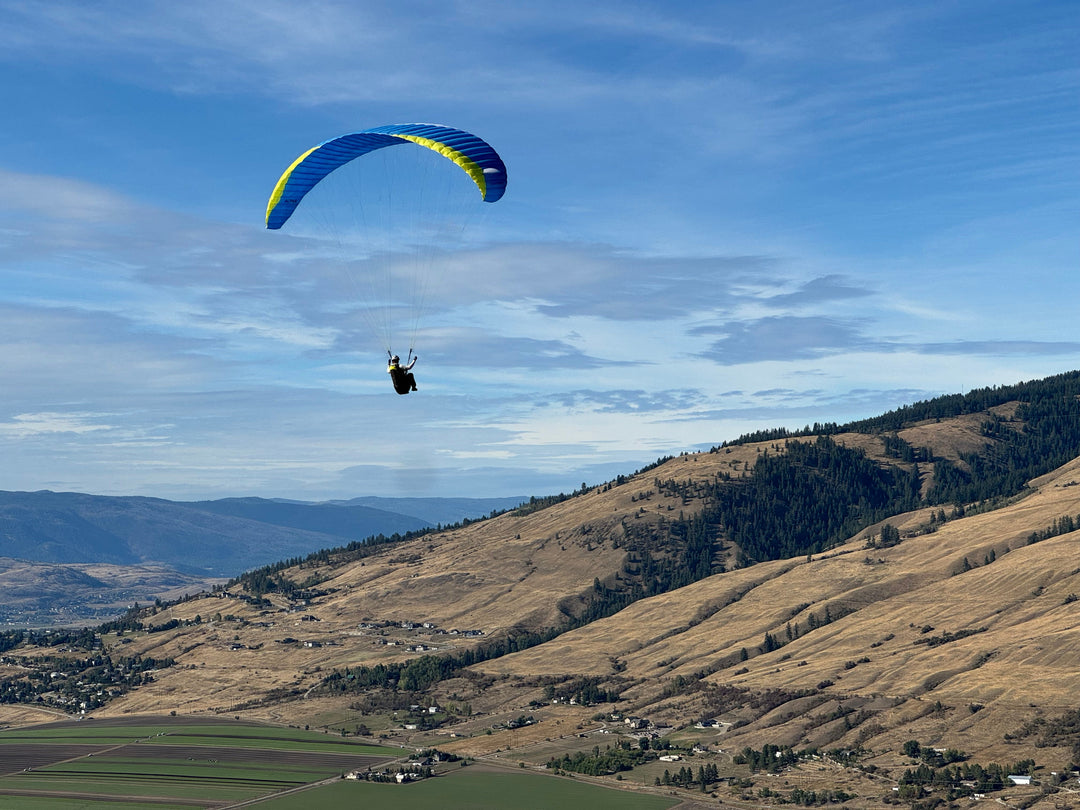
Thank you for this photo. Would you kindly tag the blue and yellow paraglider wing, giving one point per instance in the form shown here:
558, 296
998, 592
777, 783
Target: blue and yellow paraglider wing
475, 157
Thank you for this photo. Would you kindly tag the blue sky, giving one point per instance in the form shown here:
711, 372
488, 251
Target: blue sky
720, 217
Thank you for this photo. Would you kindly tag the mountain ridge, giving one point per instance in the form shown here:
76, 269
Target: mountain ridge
202, 542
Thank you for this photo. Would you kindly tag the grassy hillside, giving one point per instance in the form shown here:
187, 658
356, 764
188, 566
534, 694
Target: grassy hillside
972, 616
826, 592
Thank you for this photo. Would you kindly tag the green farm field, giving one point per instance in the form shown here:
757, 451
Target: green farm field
473, 788
163, 763
167, 762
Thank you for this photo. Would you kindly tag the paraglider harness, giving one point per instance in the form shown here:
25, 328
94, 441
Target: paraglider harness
403, 380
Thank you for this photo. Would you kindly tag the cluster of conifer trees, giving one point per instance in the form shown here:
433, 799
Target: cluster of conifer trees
686, 778
818, 493
771, 758
622, 757
813, 495
980, 778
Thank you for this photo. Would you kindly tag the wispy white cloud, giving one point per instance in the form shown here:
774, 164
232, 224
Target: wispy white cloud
24, 425
60, 199
783, 338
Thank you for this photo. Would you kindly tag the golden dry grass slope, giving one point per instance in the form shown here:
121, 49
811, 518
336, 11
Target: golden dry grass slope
890, 661
955, 637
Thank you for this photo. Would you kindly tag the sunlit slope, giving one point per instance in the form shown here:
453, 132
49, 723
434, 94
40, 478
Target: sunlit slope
507, 572
512, 572
995, 638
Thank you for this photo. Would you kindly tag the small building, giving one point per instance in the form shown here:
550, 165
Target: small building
1019, 779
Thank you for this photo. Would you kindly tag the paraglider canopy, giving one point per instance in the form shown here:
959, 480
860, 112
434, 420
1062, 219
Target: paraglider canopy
473, 155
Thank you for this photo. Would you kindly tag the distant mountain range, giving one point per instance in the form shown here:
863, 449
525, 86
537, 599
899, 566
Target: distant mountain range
221, 538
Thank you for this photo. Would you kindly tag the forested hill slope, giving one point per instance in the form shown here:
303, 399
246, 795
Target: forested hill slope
979, 448
1027, 429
